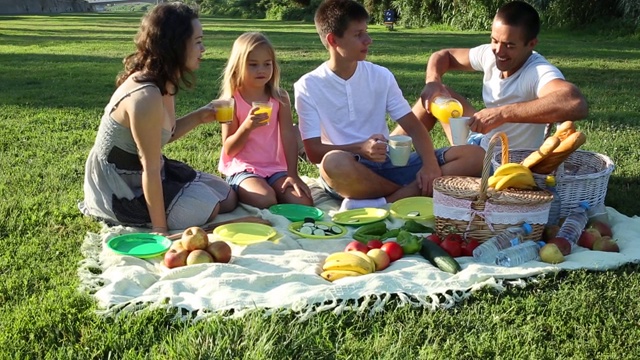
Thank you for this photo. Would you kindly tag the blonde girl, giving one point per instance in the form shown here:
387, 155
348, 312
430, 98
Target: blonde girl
259, 155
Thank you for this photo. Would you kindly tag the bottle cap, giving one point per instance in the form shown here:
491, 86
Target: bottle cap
584, 205
527, 228
550, 180
541, 243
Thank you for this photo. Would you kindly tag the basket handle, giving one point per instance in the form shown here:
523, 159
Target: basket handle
486, 165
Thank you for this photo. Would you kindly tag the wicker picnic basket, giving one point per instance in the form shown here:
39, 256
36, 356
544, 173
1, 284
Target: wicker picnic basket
471, 207
583, 176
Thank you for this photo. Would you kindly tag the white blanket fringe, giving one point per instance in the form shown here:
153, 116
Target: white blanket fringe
281, 277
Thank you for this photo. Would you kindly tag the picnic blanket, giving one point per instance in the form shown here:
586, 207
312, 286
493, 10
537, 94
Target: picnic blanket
281, 275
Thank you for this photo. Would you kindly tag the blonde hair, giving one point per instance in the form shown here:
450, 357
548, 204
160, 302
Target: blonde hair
233, 76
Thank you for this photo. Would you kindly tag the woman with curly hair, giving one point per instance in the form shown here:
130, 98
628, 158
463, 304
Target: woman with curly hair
127, 179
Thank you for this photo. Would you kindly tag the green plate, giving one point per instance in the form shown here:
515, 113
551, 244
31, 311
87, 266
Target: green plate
295, 228
362, 216
295, 212
416, 208
141, 245
244, 233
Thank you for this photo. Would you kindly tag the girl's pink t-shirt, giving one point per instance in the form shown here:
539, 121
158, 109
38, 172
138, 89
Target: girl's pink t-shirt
263, 153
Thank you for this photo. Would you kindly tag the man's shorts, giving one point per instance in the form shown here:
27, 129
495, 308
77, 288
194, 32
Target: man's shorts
235, 179
401, 175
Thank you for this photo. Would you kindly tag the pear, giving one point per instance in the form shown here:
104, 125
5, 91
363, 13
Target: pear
550, 253
606, 244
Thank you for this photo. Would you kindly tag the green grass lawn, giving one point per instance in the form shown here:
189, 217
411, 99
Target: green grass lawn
57, 73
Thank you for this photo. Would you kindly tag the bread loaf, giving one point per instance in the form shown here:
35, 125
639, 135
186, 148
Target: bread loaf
564, 129
570, 144
545, 150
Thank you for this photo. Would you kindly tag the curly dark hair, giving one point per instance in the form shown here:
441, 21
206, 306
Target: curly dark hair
161, 44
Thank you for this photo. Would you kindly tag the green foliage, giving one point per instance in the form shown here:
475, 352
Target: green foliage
292, 10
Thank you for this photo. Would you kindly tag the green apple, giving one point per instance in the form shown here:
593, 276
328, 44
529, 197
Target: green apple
550, 253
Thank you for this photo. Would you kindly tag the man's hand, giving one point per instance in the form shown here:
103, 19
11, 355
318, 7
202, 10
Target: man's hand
425, 178
486, 120
430, 91
374, 148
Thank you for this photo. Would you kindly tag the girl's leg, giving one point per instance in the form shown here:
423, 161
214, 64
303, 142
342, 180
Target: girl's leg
289, 196
256, 191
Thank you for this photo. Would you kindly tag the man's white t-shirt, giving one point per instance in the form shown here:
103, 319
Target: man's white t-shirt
522, 86
342, 111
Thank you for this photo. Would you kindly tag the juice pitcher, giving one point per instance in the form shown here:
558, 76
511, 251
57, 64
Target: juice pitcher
444, 108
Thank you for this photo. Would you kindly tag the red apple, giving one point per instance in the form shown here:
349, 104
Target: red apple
220, 250
393, 249
603, 228
588, 238
374, 244
379, 257
563, 244
356, 245
606, 244
199, 257
194, 238
175, 258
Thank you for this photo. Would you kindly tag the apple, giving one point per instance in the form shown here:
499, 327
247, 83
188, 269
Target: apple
374, 244
563, 244
550, 231
379, 257
603, 228
550, 253
220, 251
175, 258
393, 249
177, 245
588, 237
199, 257
606, 244
194, 238
356, 245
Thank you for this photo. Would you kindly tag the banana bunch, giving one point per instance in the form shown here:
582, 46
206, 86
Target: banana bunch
347, 263
512, 175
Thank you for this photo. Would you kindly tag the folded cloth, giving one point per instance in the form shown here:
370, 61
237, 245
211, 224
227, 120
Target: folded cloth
281, 275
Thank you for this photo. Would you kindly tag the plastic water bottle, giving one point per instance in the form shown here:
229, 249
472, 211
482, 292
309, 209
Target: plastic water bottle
574, 223
519, 254
512, 236
556, 205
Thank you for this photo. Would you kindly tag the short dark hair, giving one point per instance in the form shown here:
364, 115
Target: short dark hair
334, 16
161, 47
520, 14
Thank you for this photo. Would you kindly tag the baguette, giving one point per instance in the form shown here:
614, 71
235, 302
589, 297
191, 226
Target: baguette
545, 150
560, 154
564, 129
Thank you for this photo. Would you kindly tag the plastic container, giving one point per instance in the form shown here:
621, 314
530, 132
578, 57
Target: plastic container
519, 254
574, 223
443, 108
487, 251
598, 213
556, 204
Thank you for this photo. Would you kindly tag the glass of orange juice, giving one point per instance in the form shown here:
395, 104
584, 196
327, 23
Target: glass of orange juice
224, 110
444, 108
263, 107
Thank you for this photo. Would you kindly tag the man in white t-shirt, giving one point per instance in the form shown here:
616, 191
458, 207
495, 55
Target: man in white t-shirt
521, 90
342, 107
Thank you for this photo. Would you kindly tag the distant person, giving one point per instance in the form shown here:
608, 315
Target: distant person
259, 155
342, 107
127, 179
521, 90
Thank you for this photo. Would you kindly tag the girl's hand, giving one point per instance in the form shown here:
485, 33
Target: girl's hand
254, 121
299, 186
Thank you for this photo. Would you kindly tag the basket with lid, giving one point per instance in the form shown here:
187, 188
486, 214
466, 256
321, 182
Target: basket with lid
467, 204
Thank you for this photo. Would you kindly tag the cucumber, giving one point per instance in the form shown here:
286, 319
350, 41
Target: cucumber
438, 257
370, 232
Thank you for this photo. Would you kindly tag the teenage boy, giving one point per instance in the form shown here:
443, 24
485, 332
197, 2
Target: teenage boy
521, 90
342, 107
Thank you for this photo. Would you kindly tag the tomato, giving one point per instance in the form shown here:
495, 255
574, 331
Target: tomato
469, 245
374, 244
435, 238
393, 249
451, 246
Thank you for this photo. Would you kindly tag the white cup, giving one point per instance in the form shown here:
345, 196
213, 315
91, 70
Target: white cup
399, 149
459, 129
